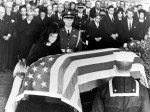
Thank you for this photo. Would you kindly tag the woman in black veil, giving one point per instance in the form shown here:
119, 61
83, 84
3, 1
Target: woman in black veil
46, 45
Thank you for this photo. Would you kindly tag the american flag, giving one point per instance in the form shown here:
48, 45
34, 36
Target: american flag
66, 76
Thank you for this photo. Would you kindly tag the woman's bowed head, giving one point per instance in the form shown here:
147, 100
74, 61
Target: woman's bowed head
49, 36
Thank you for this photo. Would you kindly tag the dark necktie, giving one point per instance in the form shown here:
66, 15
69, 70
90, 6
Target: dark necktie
68, 33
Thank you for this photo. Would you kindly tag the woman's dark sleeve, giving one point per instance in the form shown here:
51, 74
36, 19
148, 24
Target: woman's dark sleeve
33, 54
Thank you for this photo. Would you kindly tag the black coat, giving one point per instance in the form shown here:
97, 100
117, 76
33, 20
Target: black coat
27, 37
4, 31
40, 50
129, 33
141, 29
119, 30
109, 28
94, 32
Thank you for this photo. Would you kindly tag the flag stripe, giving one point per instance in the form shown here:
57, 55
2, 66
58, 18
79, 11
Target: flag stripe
58, 63
95, 67
84, 62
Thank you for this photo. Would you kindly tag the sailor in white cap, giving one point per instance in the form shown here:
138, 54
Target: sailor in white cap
122, 93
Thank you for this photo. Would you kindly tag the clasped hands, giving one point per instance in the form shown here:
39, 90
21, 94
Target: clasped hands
97, 39
7, 37
114, 36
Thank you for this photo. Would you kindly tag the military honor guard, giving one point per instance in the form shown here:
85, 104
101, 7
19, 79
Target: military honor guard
70, 40
81, 21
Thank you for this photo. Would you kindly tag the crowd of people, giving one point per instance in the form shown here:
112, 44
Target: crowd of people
79, 27
34, 30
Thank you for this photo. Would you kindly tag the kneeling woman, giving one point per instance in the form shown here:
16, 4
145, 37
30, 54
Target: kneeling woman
47, 45
44, 47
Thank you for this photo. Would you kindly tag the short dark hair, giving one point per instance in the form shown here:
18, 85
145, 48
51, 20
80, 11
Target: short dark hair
54, 4
111, 6
123, 65
142, 11
120, 10
130, 10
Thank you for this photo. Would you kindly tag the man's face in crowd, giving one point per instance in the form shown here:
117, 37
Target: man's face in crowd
30, 15
141, 15
98, 5
42, 14
68, 22
23, 11
111, 11
2, 12
122, 4
73, 6
130, 14
49, 10
36, 11
67, 5
60, 8
118, 4
103, 4
98, 18
28, 6
88, 4
55, 8
140, 7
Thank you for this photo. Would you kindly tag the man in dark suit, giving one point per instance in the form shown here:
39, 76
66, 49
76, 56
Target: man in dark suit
95, 33
57, 18
95, 9
129, 27
49, 11
70, 40
4, 37
13, 50
66, 6
29, 34
109, 28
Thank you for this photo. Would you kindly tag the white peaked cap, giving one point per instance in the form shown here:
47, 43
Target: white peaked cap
124, 56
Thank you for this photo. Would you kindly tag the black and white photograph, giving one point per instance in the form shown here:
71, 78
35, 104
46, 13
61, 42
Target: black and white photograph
74, 55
